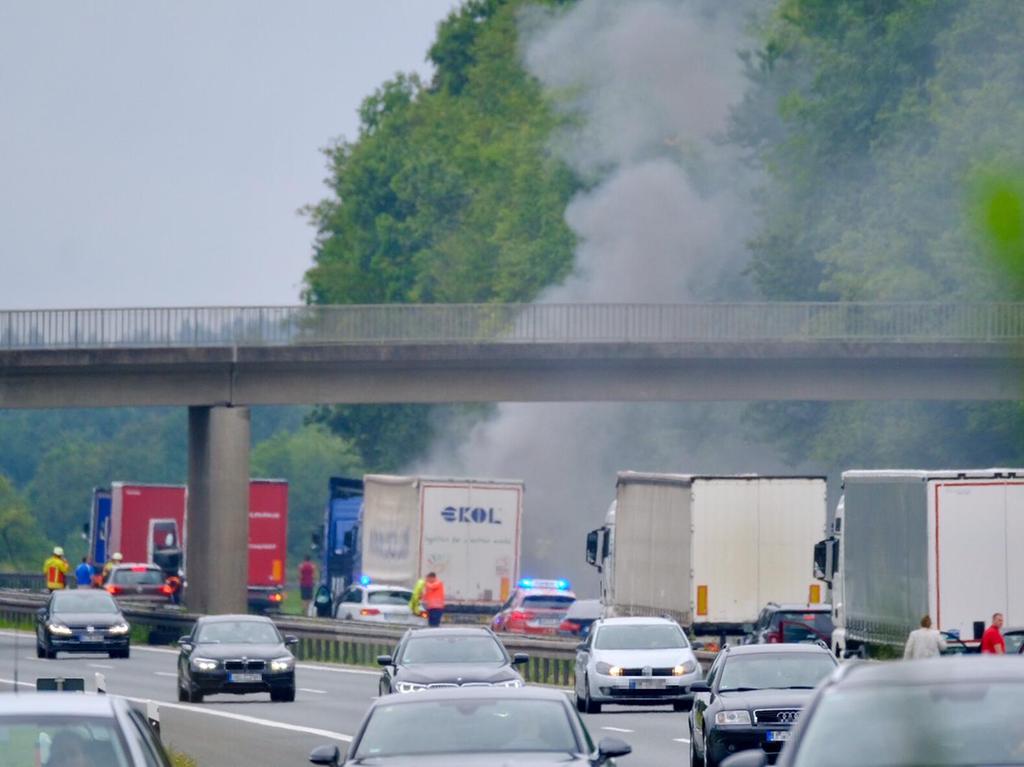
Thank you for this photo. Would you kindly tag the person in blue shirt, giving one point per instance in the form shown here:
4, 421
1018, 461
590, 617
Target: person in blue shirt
84, 573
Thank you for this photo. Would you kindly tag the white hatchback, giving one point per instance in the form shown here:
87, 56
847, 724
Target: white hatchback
376, 603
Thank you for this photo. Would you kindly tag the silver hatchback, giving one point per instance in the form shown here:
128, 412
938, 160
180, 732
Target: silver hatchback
376, 603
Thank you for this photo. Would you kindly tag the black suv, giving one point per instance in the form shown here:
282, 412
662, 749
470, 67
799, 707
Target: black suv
788, 623
752, 697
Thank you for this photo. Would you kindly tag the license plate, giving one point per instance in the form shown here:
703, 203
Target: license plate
246, 678
90, 637
647, 684
776, 736
546, 622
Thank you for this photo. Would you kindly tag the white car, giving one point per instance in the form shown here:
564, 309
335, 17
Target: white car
376, 603
635, 661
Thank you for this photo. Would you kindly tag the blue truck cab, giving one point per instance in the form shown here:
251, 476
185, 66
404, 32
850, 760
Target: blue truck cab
339, 539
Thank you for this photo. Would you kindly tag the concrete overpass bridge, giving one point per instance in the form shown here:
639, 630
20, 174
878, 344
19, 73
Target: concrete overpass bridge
219, 361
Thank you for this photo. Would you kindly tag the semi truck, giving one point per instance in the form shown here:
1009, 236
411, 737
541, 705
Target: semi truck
465, 530
905, 544
148, 523
709, 551
338, 539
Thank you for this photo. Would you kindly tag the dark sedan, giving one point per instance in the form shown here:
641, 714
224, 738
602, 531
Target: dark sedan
81, 620
236, 654
472, 727
752, 698
449, 657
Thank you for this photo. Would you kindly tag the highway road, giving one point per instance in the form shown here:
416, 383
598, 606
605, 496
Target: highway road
230, 731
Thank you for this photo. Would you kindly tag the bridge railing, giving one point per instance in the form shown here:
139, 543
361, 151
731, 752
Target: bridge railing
511, 323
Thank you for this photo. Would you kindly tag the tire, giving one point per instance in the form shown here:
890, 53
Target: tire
182, 693
589, 706
579, 703
286, 695
195, 697
694, 761
125, 653
50, 654
40, 651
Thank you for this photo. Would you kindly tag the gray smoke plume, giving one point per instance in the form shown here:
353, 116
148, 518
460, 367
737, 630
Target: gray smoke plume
650, 84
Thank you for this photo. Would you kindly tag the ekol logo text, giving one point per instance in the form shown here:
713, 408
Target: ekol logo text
470, 514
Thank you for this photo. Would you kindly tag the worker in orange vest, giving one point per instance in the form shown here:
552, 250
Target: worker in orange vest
56, 569
433, 599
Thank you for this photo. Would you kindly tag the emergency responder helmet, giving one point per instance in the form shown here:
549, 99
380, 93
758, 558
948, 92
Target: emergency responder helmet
116, 556
58, 551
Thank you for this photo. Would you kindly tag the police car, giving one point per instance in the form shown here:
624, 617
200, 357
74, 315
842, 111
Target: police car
535, 607
377, 603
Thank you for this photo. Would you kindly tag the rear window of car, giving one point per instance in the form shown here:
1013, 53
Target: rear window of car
137, 577
396, 597
548, 602
792, 620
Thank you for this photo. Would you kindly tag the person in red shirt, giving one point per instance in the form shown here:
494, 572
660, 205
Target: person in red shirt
433, 599
992, 641
307, 577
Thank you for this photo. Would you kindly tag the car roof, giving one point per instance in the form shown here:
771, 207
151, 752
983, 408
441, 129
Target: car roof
229, 618
477, 693
799, 607
384, 587
57, 704
452, 631
954, 669
636, 621
777, 649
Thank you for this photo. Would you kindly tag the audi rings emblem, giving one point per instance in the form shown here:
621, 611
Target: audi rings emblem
788, 717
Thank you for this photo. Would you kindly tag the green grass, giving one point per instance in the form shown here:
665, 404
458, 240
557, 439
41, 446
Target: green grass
178, 759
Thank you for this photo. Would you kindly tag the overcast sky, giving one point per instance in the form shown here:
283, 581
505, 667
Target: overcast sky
155, 153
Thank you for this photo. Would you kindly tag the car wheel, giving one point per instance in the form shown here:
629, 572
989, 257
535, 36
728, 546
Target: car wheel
50, 654
182, 693
40, 651
284, 695
694, 760
589, 706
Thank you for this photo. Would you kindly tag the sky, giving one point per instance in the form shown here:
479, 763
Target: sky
157, 153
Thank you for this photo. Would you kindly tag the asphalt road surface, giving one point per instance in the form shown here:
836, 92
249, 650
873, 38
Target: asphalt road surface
233, 730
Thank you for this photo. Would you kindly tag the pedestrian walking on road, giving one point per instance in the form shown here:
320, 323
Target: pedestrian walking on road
307, 577
992, 642
433, 599
56, 570
924, 642
84, 574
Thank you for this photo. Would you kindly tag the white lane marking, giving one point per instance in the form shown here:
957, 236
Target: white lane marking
617, 729
309, 689
97, 665
165, 673
681, 740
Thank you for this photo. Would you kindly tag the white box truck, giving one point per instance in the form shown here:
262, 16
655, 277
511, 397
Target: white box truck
710, 551
465, 530
905, 544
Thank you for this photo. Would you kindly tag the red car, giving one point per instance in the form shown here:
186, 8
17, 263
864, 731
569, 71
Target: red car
535, 607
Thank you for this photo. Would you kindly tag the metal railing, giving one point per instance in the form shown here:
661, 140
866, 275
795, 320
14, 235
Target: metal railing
508, 323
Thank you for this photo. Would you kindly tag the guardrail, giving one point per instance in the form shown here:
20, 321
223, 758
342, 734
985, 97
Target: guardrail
23, 581
552, 661
513, 323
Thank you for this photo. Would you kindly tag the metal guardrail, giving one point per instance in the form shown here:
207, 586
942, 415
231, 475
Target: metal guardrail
23, 581
174, 327
552, 661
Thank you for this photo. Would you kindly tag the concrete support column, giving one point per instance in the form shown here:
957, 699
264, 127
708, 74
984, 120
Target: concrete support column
217, 549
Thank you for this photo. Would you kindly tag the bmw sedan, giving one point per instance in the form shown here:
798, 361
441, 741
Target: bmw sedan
448, 657
753, 696
459, 728
635, 661
235, 654
81, 620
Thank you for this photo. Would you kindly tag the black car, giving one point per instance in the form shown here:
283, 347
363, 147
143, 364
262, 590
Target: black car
471, 727
235, 654
449, 657
940, 711
752, 697
81, 620
786, 623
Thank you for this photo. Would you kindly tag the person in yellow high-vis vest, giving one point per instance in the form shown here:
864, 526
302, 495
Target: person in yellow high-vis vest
56, 570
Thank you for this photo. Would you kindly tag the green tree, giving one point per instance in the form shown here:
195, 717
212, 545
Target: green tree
23, 545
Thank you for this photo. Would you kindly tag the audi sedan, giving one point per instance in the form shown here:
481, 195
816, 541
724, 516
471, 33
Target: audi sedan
635, 661
81, 620
236, 654
448, 657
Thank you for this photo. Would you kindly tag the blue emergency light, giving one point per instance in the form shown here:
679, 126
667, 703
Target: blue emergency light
530, 583
364, 580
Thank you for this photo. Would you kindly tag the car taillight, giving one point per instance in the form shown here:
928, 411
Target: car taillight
519, 615
165, 589
139, 569
113, 589
369, 611
568, 625
277, 596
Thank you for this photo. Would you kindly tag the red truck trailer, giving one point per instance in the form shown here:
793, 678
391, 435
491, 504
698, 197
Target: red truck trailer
268, 542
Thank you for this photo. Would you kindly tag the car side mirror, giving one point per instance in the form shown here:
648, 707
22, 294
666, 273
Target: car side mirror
41, 612
290, 640
700, 686
384, 660
520, 658
329, 755
609, 748
582, 647
185, 643
755, 757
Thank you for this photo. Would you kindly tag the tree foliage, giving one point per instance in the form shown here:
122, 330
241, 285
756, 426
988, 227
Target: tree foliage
21, 541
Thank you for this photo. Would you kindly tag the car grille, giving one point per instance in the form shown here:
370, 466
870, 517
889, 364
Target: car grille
245, 665
776, 715
666, 671
441, 685
626, 692
84, 629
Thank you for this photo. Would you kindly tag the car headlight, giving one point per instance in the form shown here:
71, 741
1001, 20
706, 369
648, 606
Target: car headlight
686, 668
59, 629
732, 717
282, 664
510, 683
410, 686
204, 664
608, 670
119, 628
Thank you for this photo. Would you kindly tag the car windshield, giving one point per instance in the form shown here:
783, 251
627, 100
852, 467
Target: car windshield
470, 726
775, 670
652, 636
453, 649
83, 601
941, 725
390, 597
62, 741
1014, 642
239, 632
145, 577
548, 602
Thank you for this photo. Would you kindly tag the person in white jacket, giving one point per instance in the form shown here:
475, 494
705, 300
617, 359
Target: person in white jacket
924, 642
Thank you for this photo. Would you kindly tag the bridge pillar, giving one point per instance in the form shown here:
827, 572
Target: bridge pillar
217, 553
